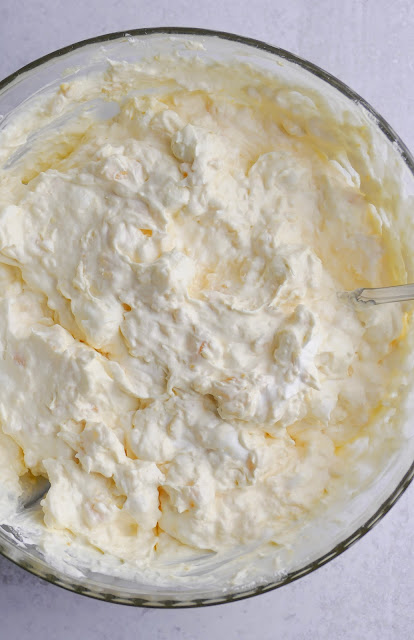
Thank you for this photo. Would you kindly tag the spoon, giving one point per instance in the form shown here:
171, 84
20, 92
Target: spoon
379, 295
34, 490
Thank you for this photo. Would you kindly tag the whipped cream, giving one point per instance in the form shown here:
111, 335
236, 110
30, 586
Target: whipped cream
174, 357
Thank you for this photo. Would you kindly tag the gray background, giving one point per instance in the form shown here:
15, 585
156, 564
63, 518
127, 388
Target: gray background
367, 592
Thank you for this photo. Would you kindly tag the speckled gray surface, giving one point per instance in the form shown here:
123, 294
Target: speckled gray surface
367, 592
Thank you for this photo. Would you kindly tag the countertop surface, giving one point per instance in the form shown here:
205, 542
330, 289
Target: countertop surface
367, 592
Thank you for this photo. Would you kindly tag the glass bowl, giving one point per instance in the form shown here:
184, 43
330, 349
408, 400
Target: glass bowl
362, 511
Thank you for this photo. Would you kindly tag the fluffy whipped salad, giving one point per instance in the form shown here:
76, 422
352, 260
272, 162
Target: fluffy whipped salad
174, 357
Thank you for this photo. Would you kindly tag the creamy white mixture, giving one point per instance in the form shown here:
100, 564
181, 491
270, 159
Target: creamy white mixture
174, 357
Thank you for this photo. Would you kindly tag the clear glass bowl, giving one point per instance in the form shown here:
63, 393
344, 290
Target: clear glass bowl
363, 511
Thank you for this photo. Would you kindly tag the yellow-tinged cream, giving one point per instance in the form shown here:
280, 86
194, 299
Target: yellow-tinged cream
174, 357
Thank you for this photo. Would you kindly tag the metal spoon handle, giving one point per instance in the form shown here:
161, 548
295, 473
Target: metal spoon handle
382, 295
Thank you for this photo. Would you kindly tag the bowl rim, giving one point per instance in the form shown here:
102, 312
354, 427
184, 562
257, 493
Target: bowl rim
404, 152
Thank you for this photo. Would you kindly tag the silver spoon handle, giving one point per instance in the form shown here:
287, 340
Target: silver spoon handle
382, 295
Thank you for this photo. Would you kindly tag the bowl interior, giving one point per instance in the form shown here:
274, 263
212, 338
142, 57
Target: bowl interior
358, 512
